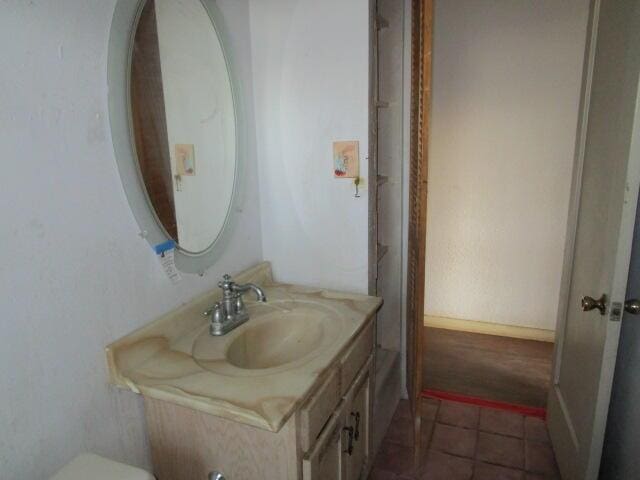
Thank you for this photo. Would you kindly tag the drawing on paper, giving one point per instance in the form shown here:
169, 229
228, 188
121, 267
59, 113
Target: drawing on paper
345, 159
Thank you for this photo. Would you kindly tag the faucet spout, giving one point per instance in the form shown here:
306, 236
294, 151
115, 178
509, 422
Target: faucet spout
260, 296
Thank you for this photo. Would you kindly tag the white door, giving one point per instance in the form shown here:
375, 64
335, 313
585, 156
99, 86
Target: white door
607, 173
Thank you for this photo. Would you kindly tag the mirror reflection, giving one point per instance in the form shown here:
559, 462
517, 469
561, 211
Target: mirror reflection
183, 120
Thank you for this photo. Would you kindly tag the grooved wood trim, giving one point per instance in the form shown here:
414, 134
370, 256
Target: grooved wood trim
421, 46
488, 328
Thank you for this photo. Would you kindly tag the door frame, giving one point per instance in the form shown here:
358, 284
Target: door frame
421, 48
420, 109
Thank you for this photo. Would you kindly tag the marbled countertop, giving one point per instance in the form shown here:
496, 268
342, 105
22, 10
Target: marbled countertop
175, 359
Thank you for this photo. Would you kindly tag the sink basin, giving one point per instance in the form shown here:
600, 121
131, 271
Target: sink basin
276, 342
257, 374
276, 337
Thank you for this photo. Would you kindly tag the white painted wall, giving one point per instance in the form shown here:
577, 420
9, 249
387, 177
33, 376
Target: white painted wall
310, 65
505, 101
74, 275
197, 114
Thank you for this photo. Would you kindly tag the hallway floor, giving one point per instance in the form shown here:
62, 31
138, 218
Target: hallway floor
487, 366
465, 442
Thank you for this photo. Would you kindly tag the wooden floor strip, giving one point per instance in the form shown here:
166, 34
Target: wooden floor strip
490, 367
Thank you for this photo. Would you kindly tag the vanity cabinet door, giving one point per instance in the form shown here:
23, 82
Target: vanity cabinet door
357, 426
325, 461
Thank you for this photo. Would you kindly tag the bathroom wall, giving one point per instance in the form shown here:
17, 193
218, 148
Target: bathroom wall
310, 65
505, 101
74, 274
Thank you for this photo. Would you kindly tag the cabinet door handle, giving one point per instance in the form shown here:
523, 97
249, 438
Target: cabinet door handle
349, 449
356, 434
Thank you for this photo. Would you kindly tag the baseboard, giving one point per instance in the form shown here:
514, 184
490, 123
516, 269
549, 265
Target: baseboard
487, 328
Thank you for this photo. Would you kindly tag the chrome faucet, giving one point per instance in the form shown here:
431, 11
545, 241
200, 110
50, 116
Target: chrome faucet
231, 312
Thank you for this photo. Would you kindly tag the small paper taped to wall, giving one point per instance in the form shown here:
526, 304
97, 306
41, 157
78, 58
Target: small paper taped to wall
346, 159
166, 255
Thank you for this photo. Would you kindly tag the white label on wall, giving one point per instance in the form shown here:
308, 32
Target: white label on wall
166, 255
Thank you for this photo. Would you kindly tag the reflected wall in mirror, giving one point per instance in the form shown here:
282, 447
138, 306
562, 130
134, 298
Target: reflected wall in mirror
183, 121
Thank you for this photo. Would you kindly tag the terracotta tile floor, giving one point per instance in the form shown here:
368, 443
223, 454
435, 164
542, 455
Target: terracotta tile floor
465, 442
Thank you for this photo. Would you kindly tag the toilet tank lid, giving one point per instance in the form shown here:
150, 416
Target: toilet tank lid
95, 467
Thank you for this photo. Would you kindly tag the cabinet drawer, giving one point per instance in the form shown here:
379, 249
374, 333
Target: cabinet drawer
318, 409
355, 357
324, 462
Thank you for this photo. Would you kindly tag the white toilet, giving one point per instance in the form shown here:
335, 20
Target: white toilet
94, 467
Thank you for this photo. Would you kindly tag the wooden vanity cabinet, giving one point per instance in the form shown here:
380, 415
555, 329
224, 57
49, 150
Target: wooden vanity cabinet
327, 438
341, 452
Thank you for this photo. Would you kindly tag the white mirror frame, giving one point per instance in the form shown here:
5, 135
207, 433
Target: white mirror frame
121, 38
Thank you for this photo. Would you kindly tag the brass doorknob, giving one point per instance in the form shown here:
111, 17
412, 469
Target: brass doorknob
632, 306
589, 303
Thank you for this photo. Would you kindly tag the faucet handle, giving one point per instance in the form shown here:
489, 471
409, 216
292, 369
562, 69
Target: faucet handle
215, 312
226, 283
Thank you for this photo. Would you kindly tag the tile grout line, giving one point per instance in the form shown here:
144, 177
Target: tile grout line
524, 446
435, 421
475, 452
433, 428
523, 470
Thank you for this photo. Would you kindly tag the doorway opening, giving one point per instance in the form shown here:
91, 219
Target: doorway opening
589, 297
505, 101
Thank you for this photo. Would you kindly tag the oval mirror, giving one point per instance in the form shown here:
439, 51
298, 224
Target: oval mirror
182, 121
